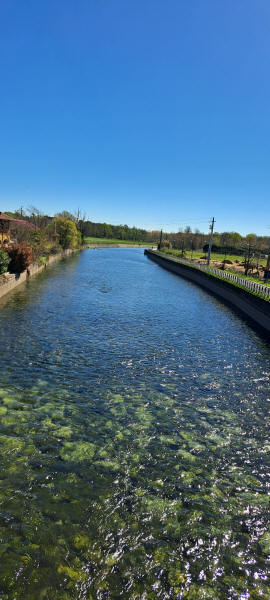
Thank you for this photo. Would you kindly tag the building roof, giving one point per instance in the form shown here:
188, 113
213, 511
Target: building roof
4, 217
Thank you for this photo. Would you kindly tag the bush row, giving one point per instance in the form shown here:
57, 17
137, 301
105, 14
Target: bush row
16, 258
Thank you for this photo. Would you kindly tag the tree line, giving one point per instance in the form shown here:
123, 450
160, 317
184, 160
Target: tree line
227, 242
186, 239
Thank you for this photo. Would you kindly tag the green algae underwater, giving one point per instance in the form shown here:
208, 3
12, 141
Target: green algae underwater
130, 468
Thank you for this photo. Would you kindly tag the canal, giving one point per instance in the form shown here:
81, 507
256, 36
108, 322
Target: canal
133, 411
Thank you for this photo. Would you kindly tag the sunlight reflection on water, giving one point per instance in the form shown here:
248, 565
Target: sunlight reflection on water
134, 438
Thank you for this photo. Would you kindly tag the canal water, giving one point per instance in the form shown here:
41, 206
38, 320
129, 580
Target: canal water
133, 410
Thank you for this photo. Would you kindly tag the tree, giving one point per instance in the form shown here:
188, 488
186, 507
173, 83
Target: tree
81, 223
35, 216
225, 239
251, 239
236, 239
20, 256
69, 236
65, 214
248, 259
107, 230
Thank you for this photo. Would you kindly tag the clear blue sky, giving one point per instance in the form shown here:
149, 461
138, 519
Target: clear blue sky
146, 112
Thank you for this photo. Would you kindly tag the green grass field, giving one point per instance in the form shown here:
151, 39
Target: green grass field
94, 240
219, 257
214, 256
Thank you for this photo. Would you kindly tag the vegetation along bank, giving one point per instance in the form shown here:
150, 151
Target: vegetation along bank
26, 249
9, 281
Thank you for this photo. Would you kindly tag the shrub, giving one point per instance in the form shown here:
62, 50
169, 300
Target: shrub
4, 261
68, 234
55, 249
20, 257
42, 260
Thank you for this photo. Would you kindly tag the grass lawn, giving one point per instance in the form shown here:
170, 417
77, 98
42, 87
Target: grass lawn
218, 257
214, 256
94, 240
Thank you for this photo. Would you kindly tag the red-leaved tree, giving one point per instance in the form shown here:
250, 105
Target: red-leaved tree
21, 257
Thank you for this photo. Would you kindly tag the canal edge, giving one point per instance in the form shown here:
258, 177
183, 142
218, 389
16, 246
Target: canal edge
256, 309
10, 281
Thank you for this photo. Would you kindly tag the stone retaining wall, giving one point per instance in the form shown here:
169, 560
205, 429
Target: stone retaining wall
253, 307
9, 281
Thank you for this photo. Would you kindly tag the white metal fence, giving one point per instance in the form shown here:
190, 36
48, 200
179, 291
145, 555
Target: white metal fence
252, 286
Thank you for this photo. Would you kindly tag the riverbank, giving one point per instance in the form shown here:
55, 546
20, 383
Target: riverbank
10, 281
247, 301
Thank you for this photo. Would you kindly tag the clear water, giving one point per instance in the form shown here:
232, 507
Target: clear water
133, 438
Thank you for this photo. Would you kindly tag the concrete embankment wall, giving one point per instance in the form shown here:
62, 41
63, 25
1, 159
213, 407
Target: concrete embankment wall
253, 307
9, 282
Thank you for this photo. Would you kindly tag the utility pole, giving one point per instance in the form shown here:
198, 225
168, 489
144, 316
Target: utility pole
160, 240
210, 241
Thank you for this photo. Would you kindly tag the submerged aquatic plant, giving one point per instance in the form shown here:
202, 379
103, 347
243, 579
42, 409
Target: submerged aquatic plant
143, 478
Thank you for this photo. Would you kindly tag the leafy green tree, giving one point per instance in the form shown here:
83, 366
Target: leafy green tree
69, 236
107, 230
251, 239
236, 239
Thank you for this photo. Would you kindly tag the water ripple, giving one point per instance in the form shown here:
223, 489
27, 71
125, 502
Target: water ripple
134, 438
